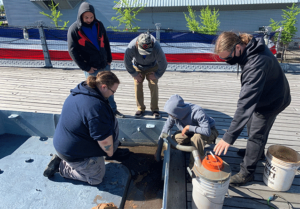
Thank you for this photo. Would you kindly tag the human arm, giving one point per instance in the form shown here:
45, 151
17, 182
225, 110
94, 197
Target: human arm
167, 127
107, 145
107, 45
161, 61
74, 50
253, 81
128, 62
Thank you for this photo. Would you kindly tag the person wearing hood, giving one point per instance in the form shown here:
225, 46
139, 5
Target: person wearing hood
89, 46
195, 126
87, 131
144, 58
265, 92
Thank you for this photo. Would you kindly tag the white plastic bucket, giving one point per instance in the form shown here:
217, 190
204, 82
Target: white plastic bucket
207, 194
281, 166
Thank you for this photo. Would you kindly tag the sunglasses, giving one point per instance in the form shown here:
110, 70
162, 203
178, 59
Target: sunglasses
111, 90
230, 55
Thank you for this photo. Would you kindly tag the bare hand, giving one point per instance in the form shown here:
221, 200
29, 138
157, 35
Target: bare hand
186, 128
139, 78
151, 76
92, 70
109, 63
220, 147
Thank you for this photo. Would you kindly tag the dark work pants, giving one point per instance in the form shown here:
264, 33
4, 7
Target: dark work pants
258, 128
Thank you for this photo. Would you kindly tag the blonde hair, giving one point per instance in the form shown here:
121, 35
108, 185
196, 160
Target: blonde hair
105, 77
227, 40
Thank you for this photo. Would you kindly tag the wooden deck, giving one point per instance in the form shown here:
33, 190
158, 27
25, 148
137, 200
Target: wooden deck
44, 90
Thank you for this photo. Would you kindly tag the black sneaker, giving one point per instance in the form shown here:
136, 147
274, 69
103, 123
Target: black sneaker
118, 114
119, 155
53, 166
242, 153
239, 179
139, 113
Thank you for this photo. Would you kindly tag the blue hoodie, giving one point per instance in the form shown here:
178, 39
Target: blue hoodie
187, 114
86, 118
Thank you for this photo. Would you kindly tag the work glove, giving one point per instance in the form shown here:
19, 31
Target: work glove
164, 135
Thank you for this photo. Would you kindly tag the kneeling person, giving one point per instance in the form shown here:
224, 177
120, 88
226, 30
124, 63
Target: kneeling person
195, 126
87, 131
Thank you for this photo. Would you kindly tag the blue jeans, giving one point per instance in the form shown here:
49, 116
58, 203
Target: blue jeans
111, 99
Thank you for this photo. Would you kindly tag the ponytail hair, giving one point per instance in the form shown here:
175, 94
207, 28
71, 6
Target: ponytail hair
227, 40
105, 77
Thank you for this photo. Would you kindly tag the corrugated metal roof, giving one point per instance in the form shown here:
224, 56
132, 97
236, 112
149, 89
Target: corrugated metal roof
180, 3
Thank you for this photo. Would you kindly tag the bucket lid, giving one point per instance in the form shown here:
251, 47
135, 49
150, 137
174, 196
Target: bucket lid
213, 163
213, 168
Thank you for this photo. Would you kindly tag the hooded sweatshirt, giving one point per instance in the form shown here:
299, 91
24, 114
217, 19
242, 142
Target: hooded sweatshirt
133, 57
86, 118
265, 89
83, 40
187, 114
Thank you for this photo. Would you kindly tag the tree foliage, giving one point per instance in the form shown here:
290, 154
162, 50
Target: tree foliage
192, 23
287, 24
55, 15
209, 23
127, 15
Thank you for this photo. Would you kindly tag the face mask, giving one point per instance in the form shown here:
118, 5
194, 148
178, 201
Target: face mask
234, 60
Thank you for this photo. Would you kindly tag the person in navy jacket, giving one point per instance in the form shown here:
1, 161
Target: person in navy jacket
87, 131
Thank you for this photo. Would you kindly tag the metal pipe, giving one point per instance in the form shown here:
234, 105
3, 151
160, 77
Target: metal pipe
191, 149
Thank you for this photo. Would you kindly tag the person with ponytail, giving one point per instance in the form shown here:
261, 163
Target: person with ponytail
264, 93
87, 131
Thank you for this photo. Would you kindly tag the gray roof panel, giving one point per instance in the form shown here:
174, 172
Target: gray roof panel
181, 3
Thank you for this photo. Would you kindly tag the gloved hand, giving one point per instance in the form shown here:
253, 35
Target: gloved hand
164, 135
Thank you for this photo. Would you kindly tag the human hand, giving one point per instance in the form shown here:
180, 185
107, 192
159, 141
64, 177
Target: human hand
109, 63
92, 70
151, 76
186, 128
220, 147
164, 135
139, 78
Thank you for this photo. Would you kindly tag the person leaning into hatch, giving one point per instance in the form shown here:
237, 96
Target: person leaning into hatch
195, 126
89, 46
145, 58
265, 92
87, 131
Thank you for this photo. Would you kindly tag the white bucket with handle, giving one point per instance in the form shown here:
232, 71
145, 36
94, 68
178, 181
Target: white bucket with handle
281, 166
211, 183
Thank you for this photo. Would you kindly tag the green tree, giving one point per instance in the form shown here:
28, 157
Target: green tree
209, 23
127, 16
192, 23
287, 24
55, 14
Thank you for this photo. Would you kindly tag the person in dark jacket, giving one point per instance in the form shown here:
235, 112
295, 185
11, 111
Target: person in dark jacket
195, 126
265, 92
87, 131
89, 46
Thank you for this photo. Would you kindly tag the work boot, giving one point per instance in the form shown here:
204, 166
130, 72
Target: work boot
119, 155
240, 179
242, 153
52, 167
